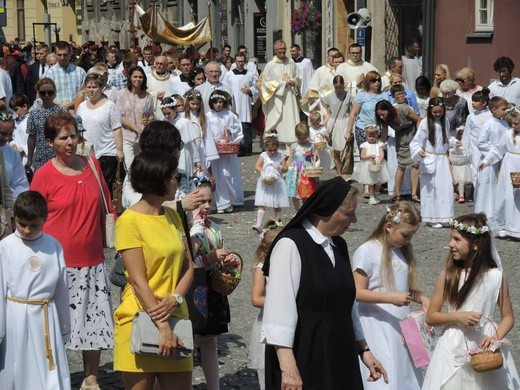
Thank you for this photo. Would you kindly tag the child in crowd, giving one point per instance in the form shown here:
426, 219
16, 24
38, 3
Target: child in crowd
490, 134
180, 107
301, 155
430, 146
507, 153
384, 273
189, 155
225, 127
208, 246
256, 348
472, 283
34, 302
271, 190
372, 155
20, 104
194, 111
422, 94
319, 134
472, 129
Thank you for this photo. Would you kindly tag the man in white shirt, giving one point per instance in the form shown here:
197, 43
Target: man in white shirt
305, 66
506, 86
393, 65
212, 71
355, 69
244, 92
412, 62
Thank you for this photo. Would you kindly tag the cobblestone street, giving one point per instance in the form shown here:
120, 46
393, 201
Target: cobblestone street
429, 246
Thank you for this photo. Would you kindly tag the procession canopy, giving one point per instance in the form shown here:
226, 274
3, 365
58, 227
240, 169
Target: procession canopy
158, 29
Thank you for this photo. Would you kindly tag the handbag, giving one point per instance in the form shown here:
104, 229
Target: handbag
117, 190
306, 186
197, 300
144, 339
107, 218
117, 275
347, 158
420, 339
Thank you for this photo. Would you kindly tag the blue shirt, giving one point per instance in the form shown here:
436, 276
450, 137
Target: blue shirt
410, 97
367, 113
68, 81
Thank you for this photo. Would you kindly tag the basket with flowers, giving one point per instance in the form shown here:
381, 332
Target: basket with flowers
226, 276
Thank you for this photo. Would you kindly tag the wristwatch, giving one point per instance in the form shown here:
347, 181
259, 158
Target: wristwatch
178, 298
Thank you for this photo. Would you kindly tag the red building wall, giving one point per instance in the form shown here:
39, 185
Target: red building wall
455, 19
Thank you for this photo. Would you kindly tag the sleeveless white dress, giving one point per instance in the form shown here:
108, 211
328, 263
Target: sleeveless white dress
448, 370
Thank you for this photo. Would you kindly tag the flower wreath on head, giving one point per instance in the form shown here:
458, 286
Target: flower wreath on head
397, 217
7, 115
441, 104
464, 227
191, 95
169, 105
217, 96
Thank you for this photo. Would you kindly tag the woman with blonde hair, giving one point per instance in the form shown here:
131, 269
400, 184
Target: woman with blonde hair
467, 86
442, 72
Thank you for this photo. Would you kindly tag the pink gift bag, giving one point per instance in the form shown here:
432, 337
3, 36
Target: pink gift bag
419, 338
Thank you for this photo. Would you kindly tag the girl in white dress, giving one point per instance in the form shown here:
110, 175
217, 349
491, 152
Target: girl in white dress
319, 133
472, 129
507, 205
189, 155
490, 135
257, 348
194, 111
430, 146
371, 154
225, 127
472, 283
271, 190
34, 302
384, 273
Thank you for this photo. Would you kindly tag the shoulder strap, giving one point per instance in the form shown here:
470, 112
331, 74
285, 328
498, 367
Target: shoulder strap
93, 167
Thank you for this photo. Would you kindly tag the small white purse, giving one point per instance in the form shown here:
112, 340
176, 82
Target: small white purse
144, 339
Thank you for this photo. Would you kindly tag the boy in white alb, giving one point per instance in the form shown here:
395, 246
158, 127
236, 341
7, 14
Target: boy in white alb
34, 302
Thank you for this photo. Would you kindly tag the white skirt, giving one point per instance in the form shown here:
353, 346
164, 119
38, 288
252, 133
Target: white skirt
362, 175
91, 320
256, 348
271, 195
461, 174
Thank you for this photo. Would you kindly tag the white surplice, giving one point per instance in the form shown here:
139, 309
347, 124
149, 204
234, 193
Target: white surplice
280, 102
235, 80
320, 86
226, 169
190, 153
436, 187
474, 123
33, 270
486, 183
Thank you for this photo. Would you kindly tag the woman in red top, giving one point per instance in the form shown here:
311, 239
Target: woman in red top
73, 194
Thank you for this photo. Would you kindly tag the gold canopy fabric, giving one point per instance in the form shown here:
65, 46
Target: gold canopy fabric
165, 32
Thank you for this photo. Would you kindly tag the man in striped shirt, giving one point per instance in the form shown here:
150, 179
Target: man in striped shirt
67, 77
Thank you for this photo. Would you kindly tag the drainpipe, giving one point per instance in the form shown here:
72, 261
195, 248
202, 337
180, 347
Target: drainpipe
428, 37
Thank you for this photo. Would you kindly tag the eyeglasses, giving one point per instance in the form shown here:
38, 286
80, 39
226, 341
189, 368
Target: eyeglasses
46, 93
460, 80
375, 80
355, 53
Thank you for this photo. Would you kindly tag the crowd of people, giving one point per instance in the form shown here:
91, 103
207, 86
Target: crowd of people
170, 128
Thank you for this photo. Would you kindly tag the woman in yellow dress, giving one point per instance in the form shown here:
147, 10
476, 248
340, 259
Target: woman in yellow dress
149, 238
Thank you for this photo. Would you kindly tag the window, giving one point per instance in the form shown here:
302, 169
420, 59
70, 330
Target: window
484, 15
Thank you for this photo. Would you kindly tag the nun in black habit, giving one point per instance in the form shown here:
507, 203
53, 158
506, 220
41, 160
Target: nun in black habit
310, 323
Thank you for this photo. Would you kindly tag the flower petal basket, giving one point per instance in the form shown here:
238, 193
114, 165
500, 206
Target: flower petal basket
223, 279
228, 147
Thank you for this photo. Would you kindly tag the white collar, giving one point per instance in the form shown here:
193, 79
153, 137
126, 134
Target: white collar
315, 234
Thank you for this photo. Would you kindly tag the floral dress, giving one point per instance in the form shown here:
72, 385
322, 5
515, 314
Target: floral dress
302, 157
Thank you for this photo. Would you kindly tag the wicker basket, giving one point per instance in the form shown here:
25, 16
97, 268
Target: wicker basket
227, 147
269, 180
223, 282
515, 179
486, 360
374, 168
320, 142
459, 159
313, 171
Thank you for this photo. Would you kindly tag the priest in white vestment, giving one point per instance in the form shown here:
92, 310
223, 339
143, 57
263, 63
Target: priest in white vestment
280, 90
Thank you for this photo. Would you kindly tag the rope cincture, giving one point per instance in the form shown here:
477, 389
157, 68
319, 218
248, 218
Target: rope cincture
46, 333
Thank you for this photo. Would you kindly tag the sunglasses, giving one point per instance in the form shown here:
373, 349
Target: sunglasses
375, 80
46, 93
460, 80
